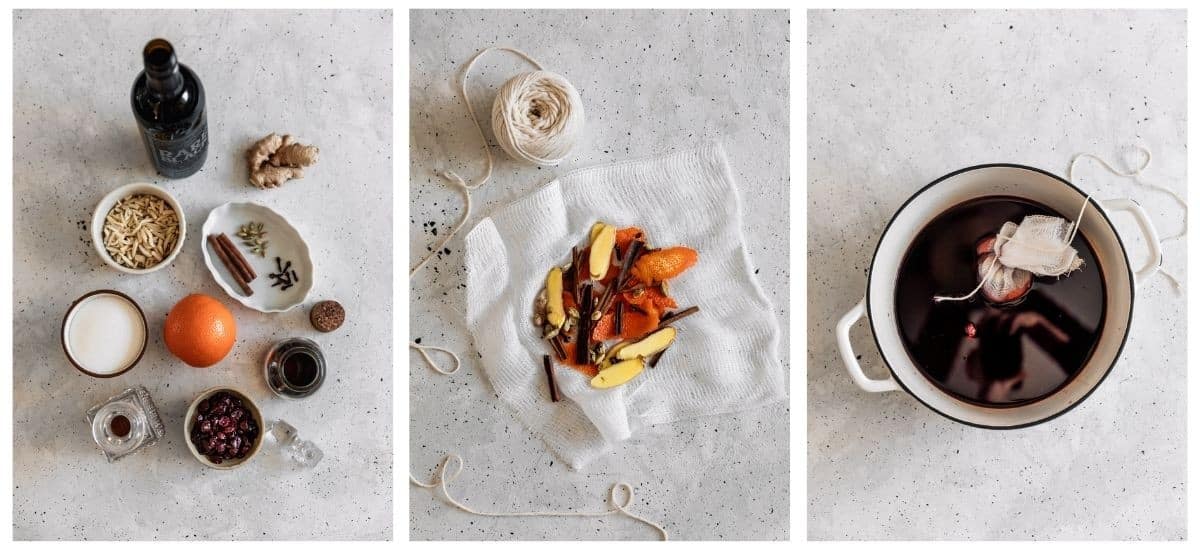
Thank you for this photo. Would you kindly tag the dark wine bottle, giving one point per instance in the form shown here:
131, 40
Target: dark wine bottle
168, 103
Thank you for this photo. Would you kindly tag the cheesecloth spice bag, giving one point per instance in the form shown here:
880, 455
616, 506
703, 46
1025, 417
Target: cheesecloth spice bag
724, 359
1007, 263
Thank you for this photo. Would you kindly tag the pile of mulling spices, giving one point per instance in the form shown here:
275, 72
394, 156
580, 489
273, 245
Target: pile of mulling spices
608, 313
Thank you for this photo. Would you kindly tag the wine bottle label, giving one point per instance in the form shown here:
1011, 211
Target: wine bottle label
181, 152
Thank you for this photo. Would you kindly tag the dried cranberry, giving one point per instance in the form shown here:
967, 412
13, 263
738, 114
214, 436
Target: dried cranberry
244, 426
203, 407
237, 414
229, 429
206, 427
215, 460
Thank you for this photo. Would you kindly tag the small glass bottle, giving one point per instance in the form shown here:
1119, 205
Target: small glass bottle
295, 368
126, 423
296, 451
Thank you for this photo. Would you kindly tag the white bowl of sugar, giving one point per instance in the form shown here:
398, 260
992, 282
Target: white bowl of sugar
104, 333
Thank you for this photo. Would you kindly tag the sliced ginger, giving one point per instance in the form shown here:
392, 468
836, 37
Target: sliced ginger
650, 345
600, 256
618, 374
556, 315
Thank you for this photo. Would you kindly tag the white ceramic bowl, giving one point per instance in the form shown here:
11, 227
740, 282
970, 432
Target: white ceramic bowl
106, 204
255, 413
998, 180
283, 241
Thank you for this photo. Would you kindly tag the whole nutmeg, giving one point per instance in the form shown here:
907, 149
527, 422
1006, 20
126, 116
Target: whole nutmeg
327, 316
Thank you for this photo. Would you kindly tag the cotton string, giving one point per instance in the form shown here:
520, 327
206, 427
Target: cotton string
1134, 176
557, 116
1079, 219
444, 475
536, 117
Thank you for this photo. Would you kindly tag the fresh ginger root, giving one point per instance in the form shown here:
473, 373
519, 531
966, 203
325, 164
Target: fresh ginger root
274, 160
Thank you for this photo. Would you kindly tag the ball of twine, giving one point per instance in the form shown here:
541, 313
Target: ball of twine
537, 117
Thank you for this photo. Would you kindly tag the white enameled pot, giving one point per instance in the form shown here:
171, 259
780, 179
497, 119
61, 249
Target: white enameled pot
878, 306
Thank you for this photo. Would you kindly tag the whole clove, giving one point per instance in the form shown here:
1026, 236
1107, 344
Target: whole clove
285, 276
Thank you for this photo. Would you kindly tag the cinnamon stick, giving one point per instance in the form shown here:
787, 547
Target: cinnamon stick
236, 256
657, 356
617, 285
576, 282
583, 342
229, 265
550, 378
677, 316
617, 317
559, 352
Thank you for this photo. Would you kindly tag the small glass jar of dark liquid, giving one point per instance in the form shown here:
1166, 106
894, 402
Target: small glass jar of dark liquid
126, 423
295, 368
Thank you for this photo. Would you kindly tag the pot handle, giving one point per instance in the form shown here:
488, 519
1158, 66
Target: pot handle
1148, 231
856, 372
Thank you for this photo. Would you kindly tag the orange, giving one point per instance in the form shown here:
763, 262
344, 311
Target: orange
627, 236
200, 330
663, 264
636, 324
652, 295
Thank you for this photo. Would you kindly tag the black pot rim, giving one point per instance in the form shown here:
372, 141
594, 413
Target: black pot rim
1128, 268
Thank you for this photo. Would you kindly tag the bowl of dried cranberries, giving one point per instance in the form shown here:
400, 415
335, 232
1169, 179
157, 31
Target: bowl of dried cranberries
224, 428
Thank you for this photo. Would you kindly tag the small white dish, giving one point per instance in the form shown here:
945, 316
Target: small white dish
284, 242
106, 204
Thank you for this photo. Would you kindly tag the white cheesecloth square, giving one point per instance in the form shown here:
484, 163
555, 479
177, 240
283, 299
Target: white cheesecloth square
725, 357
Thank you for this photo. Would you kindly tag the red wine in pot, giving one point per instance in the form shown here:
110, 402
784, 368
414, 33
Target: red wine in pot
989, 354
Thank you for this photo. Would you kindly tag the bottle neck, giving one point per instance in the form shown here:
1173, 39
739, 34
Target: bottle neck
163, 76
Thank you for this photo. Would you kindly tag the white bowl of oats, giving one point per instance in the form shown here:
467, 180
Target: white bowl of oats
138, 228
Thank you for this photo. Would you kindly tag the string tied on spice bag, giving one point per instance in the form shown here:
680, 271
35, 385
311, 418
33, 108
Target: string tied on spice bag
1041, 245
536, 117
452, 465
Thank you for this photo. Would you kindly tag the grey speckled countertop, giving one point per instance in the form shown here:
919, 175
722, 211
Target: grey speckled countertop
897, 99
323, 76
651, 82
